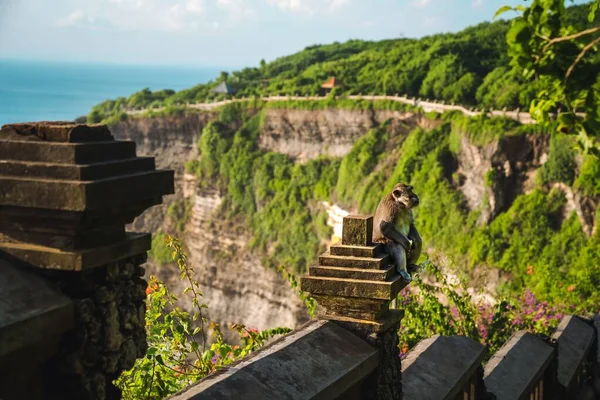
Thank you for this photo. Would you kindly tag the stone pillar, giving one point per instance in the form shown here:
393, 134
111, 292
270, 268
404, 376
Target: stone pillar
355, 283
66, 193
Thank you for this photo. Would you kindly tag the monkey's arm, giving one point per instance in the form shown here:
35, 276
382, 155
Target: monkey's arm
389, 231
413, 235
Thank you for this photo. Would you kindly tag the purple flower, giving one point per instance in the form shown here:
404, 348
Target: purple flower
215, 359
454, 312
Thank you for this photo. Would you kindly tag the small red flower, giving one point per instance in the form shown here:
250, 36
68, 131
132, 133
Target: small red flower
570, 288
530, 270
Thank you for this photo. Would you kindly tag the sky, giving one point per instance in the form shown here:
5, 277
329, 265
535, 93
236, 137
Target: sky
216, 33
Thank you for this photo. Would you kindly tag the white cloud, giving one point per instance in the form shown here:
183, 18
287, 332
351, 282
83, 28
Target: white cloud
336, 4
236, 10
477, 3
292, 5
72, 19
80, 19
420, 3
195, 6
308, 6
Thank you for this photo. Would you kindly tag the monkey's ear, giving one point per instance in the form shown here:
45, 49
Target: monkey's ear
397, 194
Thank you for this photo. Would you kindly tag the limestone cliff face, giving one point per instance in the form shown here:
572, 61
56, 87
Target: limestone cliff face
305, 134
236, 287
509, 165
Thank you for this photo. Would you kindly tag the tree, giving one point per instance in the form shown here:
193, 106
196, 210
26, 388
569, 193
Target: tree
224, 75
563, 59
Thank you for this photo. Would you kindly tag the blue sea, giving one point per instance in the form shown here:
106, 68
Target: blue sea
46, 91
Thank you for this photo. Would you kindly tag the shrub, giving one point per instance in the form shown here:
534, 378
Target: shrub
179, 353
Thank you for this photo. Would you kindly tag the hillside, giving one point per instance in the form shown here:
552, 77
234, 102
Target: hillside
496, 196
470, 67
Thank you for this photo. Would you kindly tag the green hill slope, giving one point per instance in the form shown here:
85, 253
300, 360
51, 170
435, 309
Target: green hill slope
470, 67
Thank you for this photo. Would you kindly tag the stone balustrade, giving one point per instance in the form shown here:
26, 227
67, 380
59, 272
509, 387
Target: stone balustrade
72, 297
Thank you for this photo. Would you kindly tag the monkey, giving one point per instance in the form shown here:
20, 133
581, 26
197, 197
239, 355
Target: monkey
394, 226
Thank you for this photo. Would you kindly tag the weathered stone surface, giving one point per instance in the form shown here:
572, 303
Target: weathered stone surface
67, 153
317, 361
31, 310
110, 330
353, 307
385, 383
515, 369
353, 273
76, 172
357, 230
365, 327
84, 195
357, 251
575, 338
597, 329
77, 260
440, 367
328, 260
55, 131
353, 287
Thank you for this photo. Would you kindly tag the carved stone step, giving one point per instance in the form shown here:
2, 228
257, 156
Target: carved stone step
67, 153
353, 273
353, 287
357, 251
88, 172
329, 260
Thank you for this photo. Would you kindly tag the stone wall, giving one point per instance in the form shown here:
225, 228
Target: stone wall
72, 297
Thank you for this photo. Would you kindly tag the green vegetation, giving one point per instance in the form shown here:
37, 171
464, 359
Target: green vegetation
561, 166
588, 181
179, 353
279, 199
558, 47
470, 67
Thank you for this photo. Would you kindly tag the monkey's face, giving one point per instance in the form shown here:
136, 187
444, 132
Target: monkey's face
404, 195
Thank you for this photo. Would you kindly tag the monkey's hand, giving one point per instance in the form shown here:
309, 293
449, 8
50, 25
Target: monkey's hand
389, 232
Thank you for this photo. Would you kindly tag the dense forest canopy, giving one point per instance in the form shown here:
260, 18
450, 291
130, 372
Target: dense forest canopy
471, 67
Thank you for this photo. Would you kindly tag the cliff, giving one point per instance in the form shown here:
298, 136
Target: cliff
236, 284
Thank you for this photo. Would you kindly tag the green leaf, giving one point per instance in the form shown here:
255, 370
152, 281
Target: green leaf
151, 351
502, 10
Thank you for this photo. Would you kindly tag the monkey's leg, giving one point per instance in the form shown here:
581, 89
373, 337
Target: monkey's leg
399, 258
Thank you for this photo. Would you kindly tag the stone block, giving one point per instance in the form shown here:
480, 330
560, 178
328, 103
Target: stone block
329, 260
84, 195
67, 153
441, 368
353, 288
357, 251
76, 260
32, 311
319, 360
575, 339
56, 131
357, 230
353, 273
369, 309
518, 366
76, 172
365, 327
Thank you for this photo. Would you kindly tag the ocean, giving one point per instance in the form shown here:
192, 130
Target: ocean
46, 91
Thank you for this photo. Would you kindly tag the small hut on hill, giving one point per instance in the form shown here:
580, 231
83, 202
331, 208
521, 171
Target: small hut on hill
224, 88
331, 83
